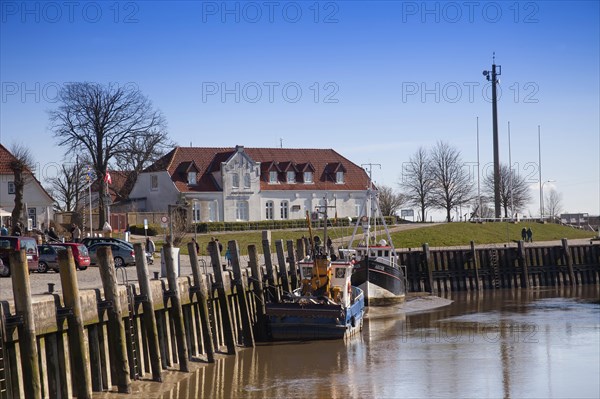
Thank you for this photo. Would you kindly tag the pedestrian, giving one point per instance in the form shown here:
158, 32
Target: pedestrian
52, 234
197, 246
524, 234
3, 231
150, 247
75, 233
220, 245
228, 257
529, 234
17, 229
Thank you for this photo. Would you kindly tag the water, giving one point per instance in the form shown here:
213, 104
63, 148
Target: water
510, 344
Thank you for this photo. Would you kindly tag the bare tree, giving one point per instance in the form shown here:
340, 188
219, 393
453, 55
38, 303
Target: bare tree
553, 203
144, 149
100, 122
513, 189
452, 183
417, 182
68, 186
21, 166
389, 201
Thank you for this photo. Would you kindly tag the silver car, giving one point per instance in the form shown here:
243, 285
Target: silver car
123, 255
48, 258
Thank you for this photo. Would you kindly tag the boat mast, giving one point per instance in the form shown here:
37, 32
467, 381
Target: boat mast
370, 198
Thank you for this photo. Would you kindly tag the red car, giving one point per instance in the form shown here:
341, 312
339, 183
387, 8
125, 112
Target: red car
16, 243
80, 253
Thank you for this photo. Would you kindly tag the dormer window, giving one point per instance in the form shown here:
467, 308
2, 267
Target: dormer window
339, 177
273, 177
247, 180
291, 176
191, 178
235, 180
308, 177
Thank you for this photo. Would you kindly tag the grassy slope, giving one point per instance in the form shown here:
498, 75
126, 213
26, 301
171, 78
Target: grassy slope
450, 234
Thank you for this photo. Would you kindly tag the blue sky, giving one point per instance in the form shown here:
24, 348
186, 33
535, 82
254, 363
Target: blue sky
373, 80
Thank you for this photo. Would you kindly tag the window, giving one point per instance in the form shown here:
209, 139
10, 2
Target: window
273, 176
241, 210
11, 187
32, 214
235, 180
291, 176
339, 177
196, 213
269, 214
191, 177
153, 182
212, 212
357, 210
308, 177
284, 210
247, 180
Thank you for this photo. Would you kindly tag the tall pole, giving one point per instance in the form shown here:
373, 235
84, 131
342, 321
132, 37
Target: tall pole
540, 174
496, 71
510, 176
90, 197
478, 173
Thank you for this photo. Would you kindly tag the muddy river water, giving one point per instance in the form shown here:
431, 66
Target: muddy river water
498, 344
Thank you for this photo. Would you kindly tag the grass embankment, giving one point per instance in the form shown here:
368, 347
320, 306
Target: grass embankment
448, 234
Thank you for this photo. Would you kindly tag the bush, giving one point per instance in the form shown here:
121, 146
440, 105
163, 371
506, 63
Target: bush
153, 229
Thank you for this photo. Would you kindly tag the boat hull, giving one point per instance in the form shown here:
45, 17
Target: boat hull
382, 283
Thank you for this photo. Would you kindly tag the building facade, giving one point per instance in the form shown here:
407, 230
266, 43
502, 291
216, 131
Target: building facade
250, 184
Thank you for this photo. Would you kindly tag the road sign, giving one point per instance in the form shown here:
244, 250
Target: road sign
163, 221
145, 224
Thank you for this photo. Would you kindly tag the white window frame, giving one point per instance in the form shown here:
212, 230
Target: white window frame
212, 212
308, 177
269, 210
339, 177
273, 177
291, 176
247, 180
242, 211
235, 180
12, 189
192, 178
154, 182
284, 210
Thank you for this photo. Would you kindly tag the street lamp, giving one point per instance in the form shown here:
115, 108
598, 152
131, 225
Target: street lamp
542, 199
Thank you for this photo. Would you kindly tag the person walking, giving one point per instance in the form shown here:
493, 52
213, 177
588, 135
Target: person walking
150, 247
529, 234
17, 229
3, 231
197, 246
52, 234
75, 233
524, 234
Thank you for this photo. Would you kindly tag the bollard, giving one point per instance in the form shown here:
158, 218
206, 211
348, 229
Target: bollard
149, 318
80, 365
202, 298
116, 327
50, 288
156, 275
240, 290
176, 310
32, 387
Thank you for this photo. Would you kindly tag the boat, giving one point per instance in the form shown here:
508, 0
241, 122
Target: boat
325, 306
376, 268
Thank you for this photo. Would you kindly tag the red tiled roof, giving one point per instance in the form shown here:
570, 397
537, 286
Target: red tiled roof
324, 161
122, 183
6, 157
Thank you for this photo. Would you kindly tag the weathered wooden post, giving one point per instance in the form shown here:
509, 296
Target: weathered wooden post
116, 327
215, 257
293, 271
428, 266
285, 283
475, 265
259, 294
568, 261
300, 249
32, 387
522, 264
271, 288
78, 348
176, 310
202, 298
240, 290
149, 318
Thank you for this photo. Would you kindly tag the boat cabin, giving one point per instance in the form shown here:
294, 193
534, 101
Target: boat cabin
329, 279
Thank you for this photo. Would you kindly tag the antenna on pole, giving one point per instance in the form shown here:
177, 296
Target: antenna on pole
281, 142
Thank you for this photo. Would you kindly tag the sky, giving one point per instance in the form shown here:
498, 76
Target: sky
374, 80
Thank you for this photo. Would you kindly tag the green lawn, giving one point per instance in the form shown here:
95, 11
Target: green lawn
450, 234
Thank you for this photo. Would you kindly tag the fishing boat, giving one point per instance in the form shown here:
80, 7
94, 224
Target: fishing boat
325, 306
376, 268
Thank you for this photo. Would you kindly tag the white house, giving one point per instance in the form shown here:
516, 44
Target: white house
250, 184
37, 201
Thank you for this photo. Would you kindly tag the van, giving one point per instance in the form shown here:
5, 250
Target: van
10, 244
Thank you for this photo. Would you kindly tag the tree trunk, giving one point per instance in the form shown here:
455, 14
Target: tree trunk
17, 212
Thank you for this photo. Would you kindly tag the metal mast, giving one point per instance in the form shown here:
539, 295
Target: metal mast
496, 71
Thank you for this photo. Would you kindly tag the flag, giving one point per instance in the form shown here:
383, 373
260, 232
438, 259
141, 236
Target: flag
89, 174
107, 178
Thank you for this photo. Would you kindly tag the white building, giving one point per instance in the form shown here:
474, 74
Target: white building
37, 201
250, 184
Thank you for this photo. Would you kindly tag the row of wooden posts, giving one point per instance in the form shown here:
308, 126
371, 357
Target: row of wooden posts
125, 331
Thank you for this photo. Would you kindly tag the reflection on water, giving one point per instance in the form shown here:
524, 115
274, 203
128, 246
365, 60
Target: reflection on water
510, 344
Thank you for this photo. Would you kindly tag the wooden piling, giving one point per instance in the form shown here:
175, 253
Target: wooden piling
116, 327
300, 249
148, 316
271, 288
568, 261
475, 265
202, 298
522, 262
240, 291
259, 297
292, 261
428, 267
78, 348
283, 275
227, 323
176, 310
32, 387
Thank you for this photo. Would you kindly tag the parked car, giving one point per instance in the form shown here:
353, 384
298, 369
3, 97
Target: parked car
80, 253
123, 255
48, 258
89, 241
9, 244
